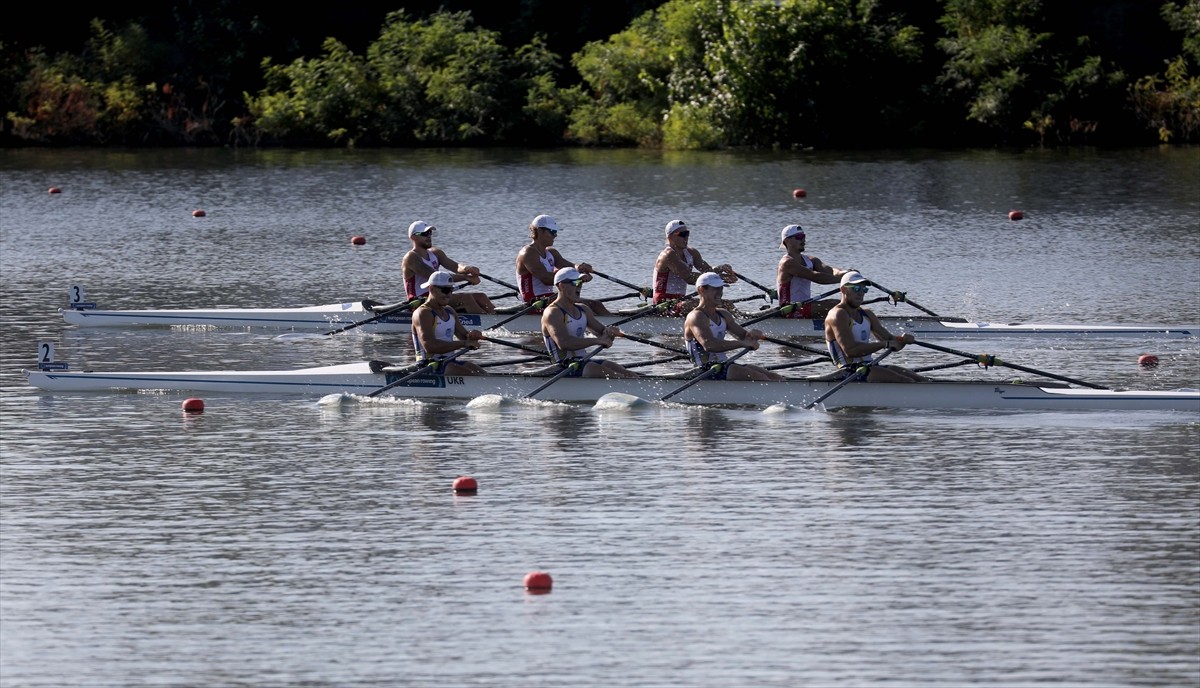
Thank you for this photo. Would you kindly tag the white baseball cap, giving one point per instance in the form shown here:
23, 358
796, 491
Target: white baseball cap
674, 226
419, 227
710, 279
438, 279
790, 231
544, 221
852, 277
566, 275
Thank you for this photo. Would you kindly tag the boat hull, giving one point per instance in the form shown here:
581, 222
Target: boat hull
358, 378
333, 316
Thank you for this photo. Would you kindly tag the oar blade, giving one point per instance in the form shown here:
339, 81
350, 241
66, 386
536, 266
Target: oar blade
619, 401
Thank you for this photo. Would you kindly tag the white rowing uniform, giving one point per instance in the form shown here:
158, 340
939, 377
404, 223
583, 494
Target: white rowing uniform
533, 288
443, 330
861, 330
668, 285
412, 285
700, 357
576, 327
796, 289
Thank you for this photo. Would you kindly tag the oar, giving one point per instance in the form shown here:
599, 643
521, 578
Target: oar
861, 372
497, 297
770, 292
566, 369
620, 298
429, 365
514, 345
987, 360
651, 342
500, 282
536, 303
668, 359
793, 345
799, 364
901, 297
659, 307
379, 315
785, 310
641, 290
511, 361
708, 372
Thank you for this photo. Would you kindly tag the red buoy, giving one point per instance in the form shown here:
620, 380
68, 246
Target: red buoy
198, 213
1148, 361
1016, 215
55, 189
538, 582
799, 193
358, 240
465, 484
193, 405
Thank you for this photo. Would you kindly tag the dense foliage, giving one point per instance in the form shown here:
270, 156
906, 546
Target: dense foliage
683, 74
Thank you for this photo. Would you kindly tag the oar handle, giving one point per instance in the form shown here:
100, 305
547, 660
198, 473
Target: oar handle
657, 307
770, 292
902, 297
859, 373
536, 303
644, 291
651, 342
989, 360
708, 372
500, 282
566, 369
793, 345
514, 345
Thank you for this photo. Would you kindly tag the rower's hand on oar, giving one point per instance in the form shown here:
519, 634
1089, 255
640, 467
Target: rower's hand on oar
898, 343
474, 339
725, 270
585, 268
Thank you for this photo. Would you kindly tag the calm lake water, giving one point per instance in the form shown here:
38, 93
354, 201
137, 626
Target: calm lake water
275, 541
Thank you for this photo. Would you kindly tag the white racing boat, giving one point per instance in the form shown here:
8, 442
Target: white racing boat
366, 377
338, 315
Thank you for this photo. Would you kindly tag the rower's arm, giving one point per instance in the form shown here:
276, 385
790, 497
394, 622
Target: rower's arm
426, 330
698, 325
461, 273
532, 264
843, 334
554, 324
671, 262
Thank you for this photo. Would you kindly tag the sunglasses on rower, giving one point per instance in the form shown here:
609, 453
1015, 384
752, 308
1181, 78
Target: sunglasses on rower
685, 234
858, 288
445, 290
553, 232
426, 233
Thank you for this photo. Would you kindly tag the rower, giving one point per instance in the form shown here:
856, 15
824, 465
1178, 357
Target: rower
848, 331
424, 259
796, 273
437, 332
679, 265
538, 261
704, 332
565, 324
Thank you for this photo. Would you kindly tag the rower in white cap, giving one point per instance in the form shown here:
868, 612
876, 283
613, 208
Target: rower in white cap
704, 333
565, 325
437, 332
849, 329
798, 271
538, 260
424, 259
679, 265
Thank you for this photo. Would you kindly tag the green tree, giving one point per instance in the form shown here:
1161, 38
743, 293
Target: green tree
1169, 103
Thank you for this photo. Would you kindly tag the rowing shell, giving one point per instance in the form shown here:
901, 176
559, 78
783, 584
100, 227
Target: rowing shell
363, 378
332, 316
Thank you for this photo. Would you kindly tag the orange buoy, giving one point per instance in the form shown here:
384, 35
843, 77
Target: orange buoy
193, 405
198, 213
1016, 215
799, 193
465, 484
55, 189
358, 240
538, 582
1148, 361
